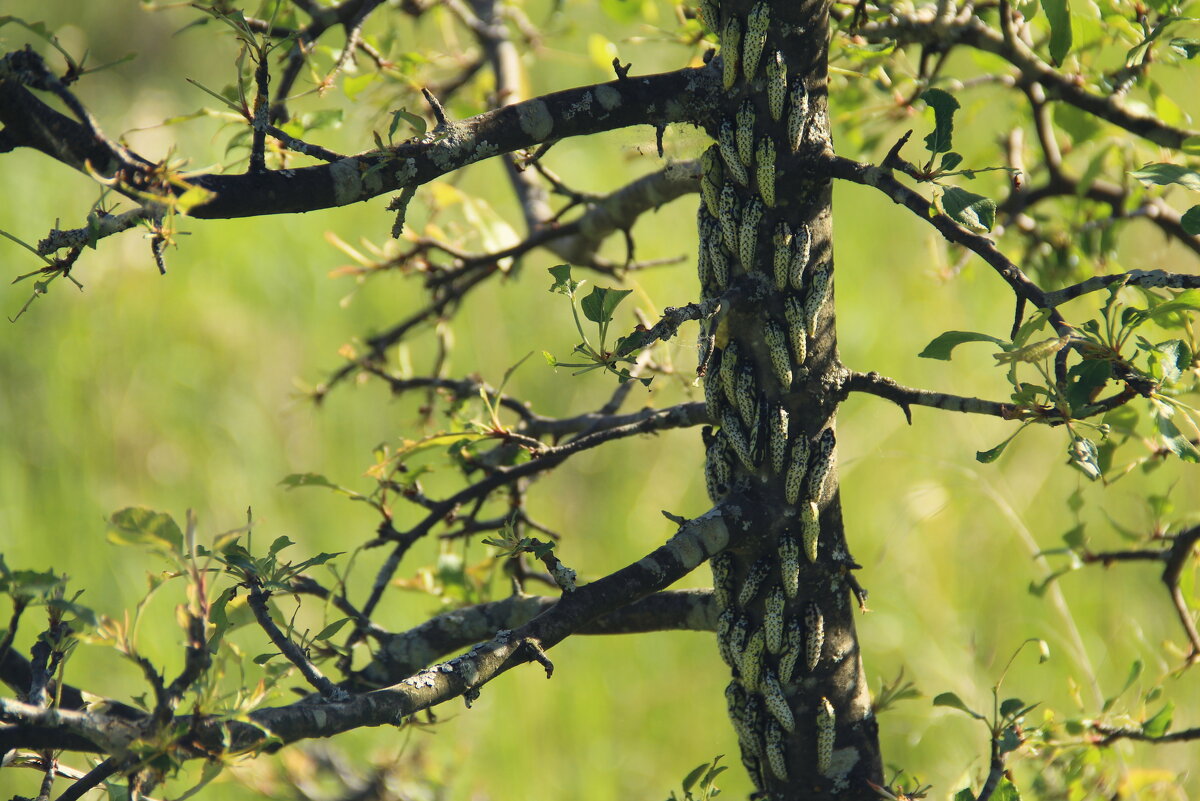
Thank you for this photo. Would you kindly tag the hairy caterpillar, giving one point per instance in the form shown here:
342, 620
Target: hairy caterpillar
773, 622
779, 438
757, 24
748, 237
711, 178
735, 701
737, 438
764, 170
728, 217
725, 625
729, 154
789, 564
776, 84
775, 701
822, 465
814, 304
752, 660
826, 723
753, 719
775, 755
738, 634
712, 398
810, 529
754, 578
710, 15
791, 653
815, 640
794, 481
793, 312
718, 264
797, 115
744, 133
717, 471
801, 247
722, 571
731, 38
747, 398
781, 358
783, 255
728, 372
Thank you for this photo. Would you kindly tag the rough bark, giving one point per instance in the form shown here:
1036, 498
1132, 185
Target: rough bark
799, 697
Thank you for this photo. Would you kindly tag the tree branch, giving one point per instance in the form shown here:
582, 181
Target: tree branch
685, 95
875, 384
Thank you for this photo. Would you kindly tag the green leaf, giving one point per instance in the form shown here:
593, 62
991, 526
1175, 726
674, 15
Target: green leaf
1169, 360
1173, 438
279, 544
1158, 725
943, 344
332, 629
1083, 454
992, 454
1191, 220
1058, 12
1084, 382
944, 105
964, 794
263, 659
417, 122
600, 304
690, 780
1188, 48
1162, 174
968, 209
137, 525
950, 161
563, 283
1010, 706
1006, 791
953, 701
307, 480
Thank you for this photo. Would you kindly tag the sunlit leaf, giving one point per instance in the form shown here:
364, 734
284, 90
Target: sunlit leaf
1058, 12
944, 344
137, 525
601, 303
944, 105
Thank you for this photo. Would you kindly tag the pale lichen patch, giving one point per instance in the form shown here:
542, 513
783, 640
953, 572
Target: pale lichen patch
609, 98
347, 182
535, 119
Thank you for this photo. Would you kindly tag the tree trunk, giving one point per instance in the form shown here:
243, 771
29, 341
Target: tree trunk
799, 698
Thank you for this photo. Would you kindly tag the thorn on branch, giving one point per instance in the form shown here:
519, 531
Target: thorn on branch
538, 655
658, 138
622, 71
399, 205
439, 113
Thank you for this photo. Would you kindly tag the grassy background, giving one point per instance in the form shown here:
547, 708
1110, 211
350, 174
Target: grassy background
184, 392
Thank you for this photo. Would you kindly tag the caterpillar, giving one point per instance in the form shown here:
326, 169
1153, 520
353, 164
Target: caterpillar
815, 639
775, 701
722, 571
735, 701
751, 664
758, 22
781, 358
814, 304
791, 652
738, 633
718, 263
753, 719
826, 723
748, 237
717, 472
753, 582
725, 625
773, 622
793, 312
789, 564
744, 133
711, 178
794, 481
712, 397
710, 15
776, 84
801, 247
737, 438
728, 372
731, 38
729, 154
779, 438
810, 529
775, 754
728, 217
764, 170
797, 115
747, 397
783, 254
822, 464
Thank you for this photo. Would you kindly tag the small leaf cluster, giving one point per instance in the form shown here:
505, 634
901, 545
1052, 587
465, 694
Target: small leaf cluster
598, 307
702, 779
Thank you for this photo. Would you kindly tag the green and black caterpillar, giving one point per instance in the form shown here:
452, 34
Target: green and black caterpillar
757, 251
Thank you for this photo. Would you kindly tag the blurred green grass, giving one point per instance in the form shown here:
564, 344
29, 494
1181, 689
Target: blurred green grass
182, 392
